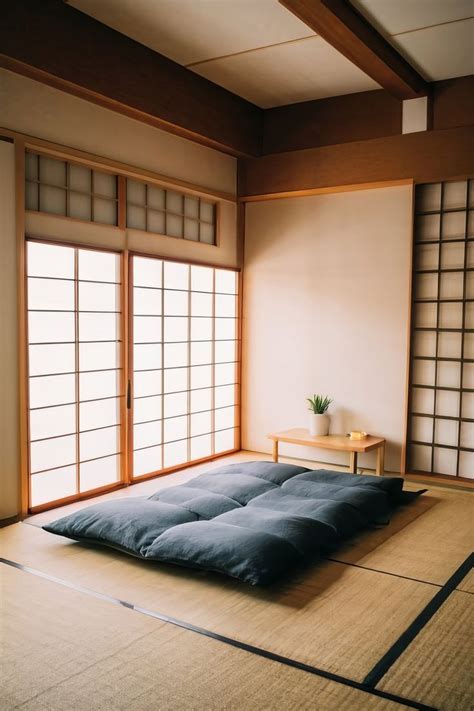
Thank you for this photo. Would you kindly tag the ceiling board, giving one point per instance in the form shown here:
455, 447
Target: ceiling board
287, 74
57, 45
340, 24
393, 16
262, 52
190, 31
440, 52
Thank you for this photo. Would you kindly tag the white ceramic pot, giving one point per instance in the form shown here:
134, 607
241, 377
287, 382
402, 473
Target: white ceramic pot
318, 424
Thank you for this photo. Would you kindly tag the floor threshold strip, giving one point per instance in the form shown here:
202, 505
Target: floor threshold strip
405, 639
361, 686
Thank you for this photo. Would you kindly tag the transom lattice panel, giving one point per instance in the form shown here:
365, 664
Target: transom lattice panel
62, 188
155, 209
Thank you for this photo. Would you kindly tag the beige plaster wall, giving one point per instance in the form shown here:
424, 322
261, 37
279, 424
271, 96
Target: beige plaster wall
326, 308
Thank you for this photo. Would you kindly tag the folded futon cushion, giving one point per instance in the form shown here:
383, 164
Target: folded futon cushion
253, 521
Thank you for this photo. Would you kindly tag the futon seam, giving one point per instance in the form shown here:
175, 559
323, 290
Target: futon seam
331, 676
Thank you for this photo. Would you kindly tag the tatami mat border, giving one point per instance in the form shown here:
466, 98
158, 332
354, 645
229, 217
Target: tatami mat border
397, 649
395, 575
383, 572
361, 686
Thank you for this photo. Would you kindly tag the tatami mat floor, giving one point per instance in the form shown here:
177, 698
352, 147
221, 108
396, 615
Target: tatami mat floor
77, 652
66, 649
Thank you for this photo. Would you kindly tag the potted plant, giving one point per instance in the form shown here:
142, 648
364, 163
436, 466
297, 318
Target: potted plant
318, 419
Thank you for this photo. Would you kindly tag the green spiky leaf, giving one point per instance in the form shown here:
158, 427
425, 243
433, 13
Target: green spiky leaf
319, 404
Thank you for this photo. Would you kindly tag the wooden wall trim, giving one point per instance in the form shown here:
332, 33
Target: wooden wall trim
361, 117
60, 46
24, 479
57, 45
403, 453
324, 122
11, 519
112, 166
423, 157
325, 191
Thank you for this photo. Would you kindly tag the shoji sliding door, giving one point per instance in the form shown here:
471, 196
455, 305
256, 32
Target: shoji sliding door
441, 405
75, 396
185, 364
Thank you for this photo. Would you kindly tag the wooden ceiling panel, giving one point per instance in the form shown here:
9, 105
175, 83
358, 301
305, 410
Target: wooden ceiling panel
288, 73
65, 48
440, 52
338, 22
258, 49
190, 31
393, 16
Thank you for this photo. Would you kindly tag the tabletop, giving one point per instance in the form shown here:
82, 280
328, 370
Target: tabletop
300, 435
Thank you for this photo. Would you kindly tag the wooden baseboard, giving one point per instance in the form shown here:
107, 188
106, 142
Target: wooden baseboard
446, 482
11, 519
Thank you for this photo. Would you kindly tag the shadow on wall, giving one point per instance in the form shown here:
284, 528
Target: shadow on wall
344, 420
285, 226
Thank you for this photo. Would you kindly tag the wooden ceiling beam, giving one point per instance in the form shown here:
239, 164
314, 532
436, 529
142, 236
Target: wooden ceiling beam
326, 122
340, 24
60, 46
425, 157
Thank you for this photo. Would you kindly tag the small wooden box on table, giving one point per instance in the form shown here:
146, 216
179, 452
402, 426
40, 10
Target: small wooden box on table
341, 443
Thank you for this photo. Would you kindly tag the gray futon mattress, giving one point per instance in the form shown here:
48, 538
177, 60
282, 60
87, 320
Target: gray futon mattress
254, 521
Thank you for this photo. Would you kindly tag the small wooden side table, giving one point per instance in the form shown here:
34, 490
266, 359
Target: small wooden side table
341, 443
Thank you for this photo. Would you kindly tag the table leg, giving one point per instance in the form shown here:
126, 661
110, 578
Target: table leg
275, 450
353, 466
380, 460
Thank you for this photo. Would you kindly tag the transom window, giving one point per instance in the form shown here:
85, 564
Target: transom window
170, 213
68, 189
62, 188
